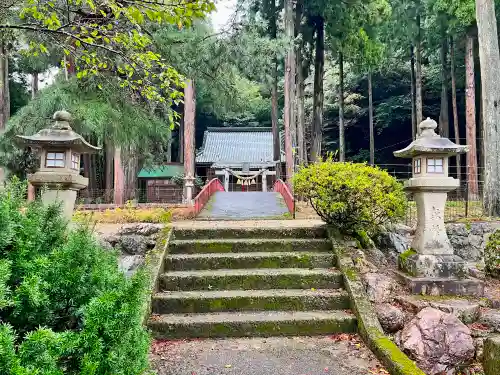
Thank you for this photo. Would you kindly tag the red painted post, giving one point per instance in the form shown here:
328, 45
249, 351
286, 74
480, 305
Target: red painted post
189, 140
31, 192
119, 178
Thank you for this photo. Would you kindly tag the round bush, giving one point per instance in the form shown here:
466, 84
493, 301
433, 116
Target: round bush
352, 197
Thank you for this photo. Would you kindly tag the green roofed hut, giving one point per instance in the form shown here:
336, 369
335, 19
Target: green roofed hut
162, 184
241, 157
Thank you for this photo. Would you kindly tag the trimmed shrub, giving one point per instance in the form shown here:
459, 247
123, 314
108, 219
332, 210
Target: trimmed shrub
492, 255
351, 197
65, 307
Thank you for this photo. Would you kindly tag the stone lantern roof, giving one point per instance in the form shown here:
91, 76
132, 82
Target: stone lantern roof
428, 142
59, 135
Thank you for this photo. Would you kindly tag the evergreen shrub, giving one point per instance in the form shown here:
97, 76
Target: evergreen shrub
492, 255
352, 197
65, 307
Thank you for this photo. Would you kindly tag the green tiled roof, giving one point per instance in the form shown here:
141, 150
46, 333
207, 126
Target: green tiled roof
163, 171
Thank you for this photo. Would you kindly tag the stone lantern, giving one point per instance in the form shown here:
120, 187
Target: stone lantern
431, 267
60, 150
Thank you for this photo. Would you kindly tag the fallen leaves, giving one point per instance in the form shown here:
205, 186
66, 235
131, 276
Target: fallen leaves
378, 370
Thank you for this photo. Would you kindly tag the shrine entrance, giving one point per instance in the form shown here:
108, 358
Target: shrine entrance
245, 178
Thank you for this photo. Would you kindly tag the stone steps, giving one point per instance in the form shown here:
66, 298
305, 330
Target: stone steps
248, 245
250, 300
260, 278
238, 232
237, 282
254, 324
184, 262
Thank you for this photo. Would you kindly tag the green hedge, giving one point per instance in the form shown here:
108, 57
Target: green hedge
352, 197
65, 307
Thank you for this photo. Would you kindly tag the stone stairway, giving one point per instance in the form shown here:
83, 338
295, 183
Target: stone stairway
250, 282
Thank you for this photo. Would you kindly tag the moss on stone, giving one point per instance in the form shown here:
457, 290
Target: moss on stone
396, 362
403, 258
338, 301
331, 280
491, 355
351, 273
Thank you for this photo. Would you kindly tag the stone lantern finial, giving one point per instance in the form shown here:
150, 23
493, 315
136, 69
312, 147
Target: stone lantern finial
62, 120
428, 128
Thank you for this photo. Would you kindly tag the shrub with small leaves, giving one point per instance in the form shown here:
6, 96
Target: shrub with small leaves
492, 255
65, 307
350, 196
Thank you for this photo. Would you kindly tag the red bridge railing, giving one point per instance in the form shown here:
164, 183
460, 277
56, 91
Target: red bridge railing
204, 195
281, 187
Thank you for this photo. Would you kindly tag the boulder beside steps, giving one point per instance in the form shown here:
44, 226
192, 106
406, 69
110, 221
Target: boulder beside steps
218, 283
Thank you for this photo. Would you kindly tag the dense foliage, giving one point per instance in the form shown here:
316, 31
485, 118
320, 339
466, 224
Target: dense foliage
492, 254
65, 308
350, 196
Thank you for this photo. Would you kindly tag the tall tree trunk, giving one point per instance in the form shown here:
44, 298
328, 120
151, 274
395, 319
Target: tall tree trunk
34, 84
3, 102
189, 137
108, 170
454, 104
6, 86
181, 138
470, 119
274, 94
341, 108
412, 78
370, 116
3, 99
301, 115
489, 57
119, 177
318, 97
300, 107
444, 120
418, 75
289, 83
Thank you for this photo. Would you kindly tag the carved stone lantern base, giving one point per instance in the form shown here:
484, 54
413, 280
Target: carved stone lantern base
440, 286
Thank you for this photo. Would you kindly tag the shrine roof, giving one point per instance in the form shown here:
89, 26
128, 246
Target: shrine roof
233, 146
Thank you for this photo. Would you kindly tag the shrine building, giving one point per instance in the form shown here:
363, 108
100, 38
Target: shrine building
242, 158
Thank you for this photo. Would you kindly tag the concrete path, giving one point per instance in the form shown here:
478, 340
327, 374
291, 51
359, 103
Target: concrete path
244, 206
322, 355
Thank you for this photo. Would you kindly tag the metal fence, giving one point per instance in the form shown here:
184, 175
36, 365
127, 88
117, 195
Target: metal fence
466, 202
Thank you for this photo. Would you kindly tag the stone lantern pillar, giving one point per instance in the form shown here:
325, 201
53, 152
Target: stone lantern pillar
60, 149
431, 267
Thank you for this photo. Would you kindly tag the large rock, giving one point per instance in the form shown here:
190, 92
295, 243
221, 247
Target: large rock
395, 240
142, 229
468, 240
130, 263
379, 287
390, 317
491, 318
133, 244
466, 311
437, 341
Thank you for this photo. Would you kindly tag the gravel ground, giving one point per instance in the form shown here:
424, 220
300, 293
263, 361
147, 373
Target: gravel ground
340, 354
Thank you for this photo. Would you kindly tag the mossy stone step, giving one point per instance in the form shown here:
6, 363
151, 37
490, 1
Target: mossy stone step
254, 324
248, 245
250, 300
263, 278
182, 262
245, 232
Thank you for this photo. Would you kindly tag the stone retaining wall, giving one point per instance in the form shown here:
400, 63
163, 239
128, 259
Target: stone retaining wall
468, 239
